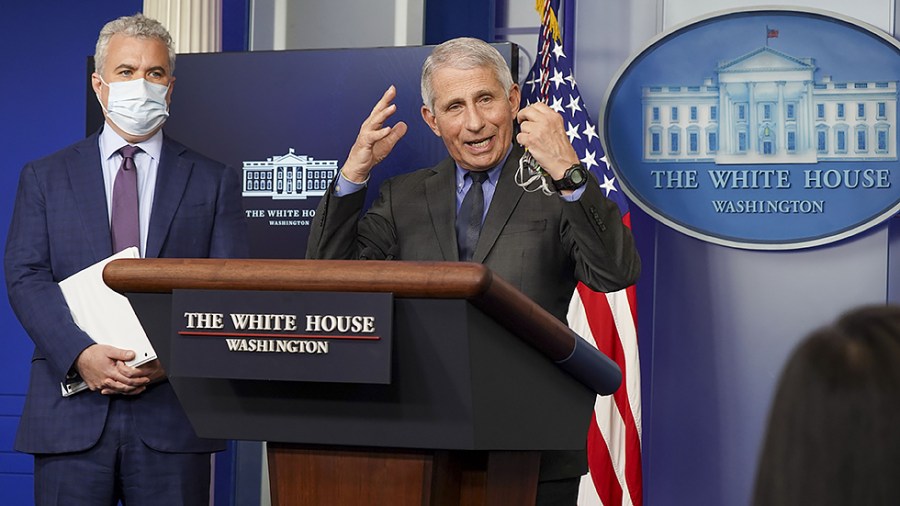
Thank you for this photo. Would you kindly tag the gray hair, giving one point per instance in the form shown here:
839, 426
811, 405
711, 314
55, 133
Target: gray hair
133, 26
463, 53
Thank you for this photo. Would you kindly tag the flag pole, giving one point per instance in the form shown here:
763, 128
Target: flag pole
546, 38
568, 31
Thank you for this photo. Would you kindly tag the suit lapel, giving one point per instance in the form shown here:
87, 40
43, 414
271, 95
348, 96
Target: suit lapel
85, 170
440, 195
171, 181
506, 197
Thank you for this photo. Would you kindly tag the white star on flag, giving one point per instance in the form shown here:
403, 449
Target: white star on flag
534, 82
557, 78
589, 160
557, 105
558, 51
572, 132
573, 104
590, 131
609, 184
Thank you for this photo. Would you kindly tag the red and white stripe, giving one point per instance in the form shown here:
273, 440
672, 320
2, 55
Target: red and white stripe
608, 320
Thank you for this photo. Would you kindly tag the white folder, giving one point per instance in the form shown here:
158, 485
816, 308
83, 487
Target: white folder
104, 314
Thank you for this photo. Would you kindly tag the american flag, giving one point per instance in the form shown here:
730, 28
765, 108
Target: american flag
609, 320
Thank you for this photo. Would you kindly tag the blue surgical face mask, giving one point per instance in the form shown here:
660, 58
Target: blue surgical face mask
137, 107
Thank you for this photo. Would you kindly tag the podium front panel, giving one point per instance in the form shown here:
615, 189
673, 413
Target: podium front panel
459, 381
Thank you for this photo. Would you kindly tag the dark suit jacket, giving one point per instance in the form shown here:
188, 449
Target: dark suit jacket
60, 225
541, 244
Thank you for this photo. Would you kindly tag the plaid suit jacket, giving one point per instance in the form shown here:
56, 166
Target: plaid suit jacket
59, 226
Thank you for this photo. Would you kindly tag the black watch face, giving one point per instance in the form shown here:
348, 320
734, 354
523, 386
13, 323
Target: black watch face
577, 176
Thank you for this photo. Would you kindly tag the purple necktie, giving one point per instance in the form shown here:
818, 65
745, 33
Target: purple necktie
125, 225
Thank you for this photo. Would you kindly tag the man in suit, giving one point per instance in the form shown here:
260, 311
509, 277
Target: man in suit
542, 244
127, 438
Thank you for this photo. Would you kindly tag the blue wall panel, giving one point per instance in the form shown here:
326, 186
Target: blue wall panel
17, 489
893, 280
46, 44
445, 20
723, 323
235, 25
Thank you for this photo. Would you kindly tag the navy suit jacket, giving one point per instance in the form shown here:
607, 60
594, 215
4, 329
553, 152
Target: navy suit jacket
60, 225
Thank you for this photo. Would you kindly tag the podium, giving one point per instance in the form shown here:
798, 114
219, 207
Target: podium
474, 394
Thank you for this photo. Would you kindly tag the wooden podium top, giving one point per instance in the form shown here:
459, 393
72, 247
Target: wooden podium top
442, 280
435, 280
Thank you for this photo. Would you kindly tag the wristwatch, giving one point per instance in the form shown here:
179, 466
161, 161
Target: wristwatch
574, 178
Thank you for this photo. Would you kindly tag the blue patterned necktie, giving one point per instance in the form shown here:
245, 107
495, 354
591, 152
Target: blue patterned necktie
468, 220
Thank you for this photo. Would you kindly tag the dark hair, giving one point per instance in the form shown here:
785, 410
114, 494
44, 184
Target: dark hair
834, 429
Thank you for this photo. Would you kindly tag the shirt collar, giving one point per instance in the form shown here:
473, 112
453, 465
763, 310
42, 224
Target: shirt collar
493, 173
110, 142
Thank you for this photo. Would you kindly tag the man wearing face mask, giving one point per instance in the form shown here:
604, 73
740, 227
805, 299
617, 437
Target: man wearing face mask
127, 439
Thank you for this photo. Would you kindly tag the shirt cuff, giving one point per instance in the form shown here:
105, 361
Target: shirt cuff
344, 186
574, 196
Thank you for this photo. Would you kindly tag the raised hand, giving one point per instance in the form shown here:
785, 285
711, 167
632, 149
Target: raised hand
375, 141
542, 132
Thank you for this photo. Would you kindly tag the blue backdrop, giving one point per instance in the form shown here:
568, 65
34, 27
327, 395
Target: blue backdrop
46, 44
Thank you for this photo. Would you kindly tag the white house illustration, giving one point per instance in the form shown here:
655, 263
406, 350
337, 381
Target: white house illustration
288, 176
765, 107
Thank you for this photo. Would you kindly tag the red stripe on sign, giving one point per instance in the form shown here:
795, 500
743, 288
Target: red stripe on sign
276, 336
